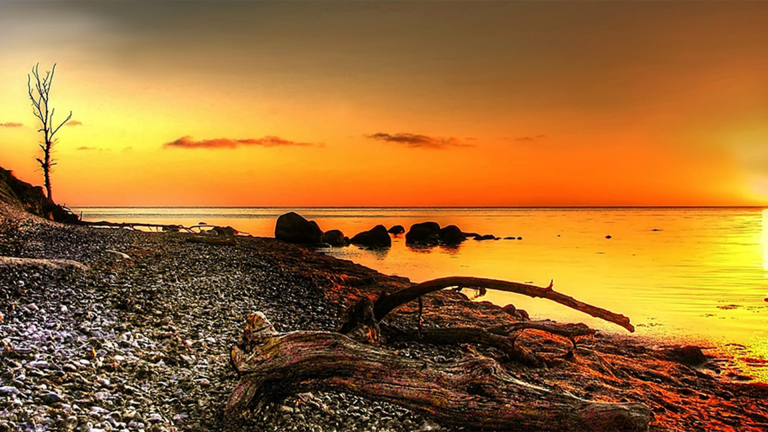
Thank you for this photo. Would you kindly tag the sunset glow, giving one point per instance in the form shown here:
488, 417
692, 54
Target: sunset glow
394, 104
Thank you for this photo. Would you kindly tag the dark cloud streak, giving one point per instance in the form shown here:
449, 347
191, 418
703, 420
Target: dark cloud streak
527, 139
187, 142
418, 141
11, 125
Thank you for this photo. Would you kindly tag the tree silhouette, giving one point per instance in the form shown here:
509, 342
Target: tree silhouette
39, 95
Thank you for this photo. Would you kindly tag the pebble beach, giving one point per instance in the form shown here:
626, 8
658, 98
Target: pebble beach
119, 330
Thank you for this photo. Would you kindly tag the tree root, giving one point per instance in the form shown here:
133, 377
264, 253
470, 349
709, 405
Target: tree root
475, 392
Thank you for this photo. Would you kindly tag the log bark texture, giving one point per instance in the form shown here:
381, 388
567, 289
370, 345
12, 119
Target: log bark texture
475, 392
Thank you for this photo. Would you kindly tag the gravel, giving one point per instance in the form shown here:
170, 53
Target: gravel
91, 340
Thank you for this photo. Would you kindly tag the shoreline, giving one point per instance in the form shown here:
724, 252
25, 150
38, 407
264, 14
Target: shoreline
692, 324
166, 317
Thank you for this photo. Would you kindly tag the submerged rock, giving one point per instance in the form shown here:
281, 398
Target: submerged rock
375, 237
424, 233
451, 235
688, 355
335, 238
226, 231
294, 228
397, 229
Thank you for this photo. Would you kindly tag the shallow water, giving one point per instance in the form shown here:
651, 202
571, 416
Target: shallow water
685, 274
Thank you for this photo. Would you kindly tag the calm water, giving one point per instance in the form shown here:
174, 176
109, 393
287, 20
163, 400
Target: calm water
680, 274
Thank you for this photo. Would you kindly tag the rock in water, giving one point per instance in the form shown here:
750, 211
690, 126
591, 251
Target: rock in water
425, 233
451, 235
334, 238
293, 228
397, 229
376, 237
226, 231
688, 355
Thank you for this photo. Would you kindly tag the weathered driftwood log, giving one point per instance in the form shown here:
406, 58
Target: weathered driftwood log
570, 331
387, 303
475, 392
134, 225
502, 338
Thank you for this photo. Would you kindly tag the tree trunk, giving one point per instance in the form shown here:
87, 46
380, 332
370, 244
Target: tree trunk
47, 170
474, 392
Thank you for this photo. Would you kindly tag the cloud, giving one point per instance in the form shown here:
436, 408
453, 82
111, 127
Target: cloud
11, 125
74, 123
268, 141
530, 139
418, 141
86, 148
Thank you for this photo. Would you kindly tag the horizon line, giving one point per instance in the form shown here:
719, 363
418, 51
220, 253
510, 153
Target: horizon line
444, 207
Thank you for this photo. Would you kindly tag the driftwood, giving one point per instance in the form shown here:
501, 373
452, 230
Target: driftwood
475, 392
134, 225
388, 303
222, 232
502, 338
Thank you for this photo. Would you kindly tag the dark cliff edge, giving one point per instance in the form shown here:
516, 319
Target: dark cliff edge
31, 199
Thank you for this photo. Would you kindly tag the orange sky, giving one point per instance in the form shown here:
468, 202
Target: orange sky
388, 104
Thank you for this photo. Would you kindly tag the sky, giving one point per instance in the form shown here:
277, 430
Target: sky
363, 103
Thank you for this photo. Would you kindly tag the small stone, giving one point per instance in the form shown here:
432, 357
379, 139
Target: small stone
8, 390
71, 422
40, 364
51, 398
98, 411
286, 409
181, 417
155, 417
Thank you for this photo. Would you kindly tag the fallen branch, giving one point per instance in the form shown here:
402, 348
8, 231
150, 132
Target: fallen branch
502, 338
387, 303
134, 225
474, 392
570, 331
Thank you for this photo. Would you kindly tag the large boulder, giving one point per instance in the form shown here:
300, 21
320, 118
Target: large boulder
451, 235
293, 228
397, 229
334, 238
425, 233
376, 237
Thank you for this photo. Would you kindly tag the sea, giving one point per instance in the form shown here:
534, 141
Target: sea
682, 275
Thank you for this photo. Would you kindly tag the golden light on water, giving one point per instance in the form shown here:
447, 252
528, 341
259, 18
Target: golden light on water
764, 242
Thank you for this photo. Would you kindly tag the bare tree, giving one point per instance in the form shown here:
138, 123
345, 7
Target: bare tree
39, 94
